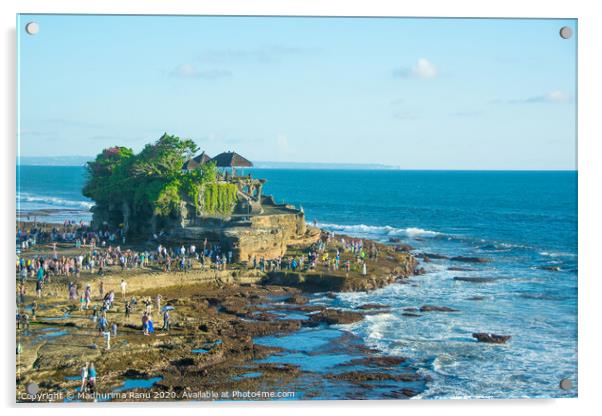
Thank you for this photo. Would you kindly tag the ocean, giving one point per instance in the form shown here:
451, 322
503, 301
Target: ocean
525, 223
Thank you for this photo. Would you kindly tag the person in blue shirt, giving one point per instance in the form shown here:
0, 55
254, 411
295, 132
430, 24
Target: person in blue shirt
102, 324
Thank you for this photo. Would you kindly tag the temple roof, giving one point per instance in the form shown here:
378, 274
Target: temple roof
231, 159
196, 161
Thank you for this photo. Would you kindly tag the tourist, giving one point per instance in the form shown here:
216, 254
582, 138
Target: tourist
166, 320
102, 324
148, 305
72, 291
158, 302
22, 321
84, 377
150, 327
128, 310
114, 329
92, 379
39, 288
145, 323
364, 271
110, 298
22, 291
123, 287
34, 308
87, 296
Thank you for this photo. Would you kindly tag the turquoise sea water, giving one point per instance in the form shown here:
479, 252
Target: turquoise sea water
523, 222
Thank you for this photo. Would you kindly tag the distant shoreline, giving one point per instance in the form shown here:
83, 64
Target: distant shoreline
330, 166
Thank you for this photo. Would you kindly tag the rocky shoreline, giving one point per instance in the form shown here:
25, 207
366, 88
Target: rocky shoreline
217, 317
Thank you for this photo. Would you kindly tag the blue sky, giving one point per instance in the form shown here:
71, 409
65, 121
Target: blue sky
414, 93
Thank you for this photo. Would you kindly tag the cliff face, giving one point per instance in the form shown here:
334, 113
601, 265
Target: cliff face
264, 234
269, 235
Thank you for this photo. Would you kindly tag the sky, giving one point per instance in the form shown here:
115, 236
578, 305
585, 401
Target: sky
412, 93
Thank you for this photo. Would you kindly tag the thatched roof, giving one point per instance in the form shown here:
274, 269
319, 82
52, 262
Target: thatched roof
231, 159
196, 161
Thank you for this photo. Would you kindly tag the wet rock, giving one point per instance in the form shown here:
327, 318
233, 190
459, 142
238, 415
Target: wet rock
359, 376
334, 317
470, 259
331, 295
433, 308
475, 279
183, 362
379, 361
432, 256
403, 248
460, 269
411, 315
305, 308
265, 316
372, 306
419, 271
491, 338
297, 299
477, 298
550, 268
394, 239
279, 368
133, 373
404, 393
410, 309
236, 307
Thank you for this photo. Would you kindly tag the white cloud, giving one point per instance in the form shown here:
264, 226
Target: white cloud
423, 68
191, 71
555, 96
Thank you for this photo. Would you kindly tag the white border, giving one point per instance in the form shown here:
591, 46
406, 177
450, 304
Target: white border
590, 209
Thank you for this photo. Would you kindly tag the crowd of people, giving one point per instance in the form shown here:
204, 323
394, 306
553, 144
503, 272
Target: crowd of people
323, 256
100, 252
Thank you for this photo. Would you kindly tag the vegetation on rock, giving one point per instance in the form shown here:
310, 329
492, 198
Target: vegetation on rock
152, 184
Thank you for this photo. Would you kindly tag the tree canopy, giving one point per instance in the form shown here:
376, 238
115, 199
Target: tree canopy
152, 182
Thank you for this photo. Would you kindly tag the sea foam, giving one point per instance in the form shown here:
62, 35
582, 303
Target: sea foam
54, 201
381, 231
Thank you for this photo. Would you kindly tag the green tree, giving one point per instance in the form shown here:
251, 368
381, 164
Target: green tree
152, 183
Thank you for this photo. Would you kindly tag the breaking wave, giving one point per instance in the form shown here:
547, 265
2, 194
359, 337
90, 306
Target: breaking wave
556, 254
54, 201
378, 231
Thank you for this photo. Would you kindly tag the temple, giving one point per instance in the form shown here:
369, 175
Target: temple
254, 226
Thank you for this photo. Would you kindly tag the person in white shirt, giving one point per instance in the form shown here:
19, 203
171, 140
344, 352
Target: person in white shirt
123, 287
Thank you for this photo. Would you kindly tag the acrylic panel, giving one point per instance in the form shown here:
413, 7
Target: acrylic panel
295, 208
